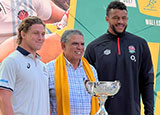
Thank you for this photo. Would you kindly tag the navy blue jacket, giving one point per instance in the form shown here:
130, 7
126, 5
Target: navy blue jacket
125, 58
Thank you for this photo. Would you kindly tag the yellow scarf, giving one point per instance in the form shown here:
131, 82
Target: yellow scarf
62, 86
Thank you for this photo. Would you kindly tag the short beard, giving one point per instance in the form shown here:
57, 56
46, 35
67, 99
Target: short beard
118, 33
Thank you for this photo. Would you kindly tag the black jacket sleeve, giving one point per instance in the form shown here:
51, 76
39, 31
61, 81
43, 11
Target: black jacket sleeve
147, 81
89, 55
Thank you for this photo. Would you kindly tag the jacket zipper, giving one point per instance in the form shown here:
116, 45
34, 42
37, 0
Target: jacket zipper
119, 49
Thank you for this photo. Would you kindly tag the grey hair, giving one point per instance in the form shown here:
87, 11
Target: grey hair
68, 33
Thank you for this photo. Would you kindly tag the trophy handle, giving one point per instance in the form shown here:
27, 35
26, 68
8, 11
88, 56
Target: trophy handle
88, 86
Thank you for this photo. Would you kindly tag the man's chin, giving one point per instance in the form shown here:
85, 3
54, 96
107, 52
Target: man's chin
117, 31
120, 31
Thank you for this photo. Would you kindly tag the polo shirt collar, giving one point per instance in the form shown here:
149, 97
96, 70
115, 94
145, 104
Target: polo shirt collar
25, 52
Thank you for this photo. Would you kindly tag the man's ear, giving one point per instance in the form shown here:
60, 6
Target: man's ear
107, 18
63, 45
22, 34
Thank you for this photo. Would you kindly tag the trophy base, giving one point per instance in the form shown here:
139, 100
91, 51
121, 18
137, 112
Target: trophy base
102, 112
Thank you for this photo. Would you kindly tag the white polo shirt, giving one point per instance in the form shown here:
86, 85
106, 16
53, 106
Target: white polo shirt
28, 80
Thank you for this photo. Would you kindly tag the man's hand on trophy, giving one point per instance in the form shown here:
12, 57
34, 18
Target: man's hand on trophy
63, 23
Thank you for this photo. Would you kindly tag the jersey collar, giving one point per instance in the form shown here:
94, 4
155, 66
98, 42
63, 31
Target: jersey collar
26, 53
23, 51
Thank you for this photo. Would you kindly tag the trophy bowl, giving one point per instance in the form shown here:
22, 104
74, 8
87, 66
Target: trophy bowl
102, 89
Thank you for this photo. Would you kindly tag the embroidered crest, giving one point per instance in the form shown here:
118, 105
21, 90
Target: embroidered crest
107, 51
22, 14
131, 49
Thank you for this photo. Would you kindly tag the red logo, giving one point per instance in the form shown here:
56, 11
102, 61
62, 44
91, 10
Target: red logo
131, 49
22, 14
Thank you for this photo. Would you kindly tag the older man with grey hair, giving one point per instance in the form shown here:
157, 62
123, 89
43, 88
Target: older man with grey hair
66, 74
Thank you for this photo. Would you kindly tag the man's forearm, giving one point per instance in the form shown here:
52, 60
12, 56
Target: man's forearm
5, 103
5, 109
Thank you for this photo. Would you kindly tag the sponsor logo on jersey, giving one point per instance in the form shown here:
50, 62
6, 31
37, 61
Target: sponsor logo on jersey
28, 65
107, 52
133, 58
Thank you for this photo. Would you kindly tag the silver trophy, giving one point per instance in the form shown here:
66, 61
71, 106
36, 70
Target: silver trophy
102, 89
